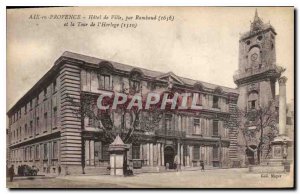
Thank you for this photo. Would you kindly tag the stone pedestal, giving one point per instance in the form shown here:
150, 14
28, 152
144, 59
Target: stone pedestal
280, 144
117, 152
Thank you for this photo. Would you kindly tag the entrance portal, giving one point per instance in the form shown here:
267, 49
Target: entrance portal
169, 156
250, 155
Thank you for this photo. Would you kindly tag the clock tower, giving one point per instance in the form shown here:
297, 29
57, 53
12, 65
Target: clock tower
257, 73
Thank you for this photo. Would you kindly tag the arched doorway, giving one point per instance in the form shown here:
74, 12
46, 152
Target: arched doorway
251, 155
169, 154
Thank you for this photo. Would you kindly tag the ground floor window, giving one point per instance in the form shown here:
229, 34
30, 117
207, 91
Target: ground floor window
215, 153
135, 151
196, 153
105, 152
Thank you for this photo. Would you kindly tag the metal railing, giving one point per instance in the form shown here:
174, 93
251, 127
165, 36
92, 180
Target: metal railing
238, 75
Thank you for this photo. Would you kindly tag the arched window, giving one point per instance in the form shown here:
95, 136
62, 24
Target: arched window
253, 101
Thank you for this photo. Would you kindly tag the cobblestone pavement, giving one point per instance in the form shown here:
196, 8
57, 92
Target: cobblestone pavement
218, 178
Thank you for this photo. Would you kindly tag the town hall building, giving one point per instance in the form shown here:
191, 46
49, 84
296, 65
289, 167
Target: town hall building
45, 132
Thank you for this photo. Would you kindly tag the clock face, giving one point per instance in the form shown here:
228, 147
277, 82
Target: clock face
254, 57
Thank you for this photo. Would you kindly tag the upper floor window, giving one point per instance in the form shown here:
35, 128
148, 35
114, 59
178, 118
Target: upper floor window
46, 121
37, 100
30, 104
26, 132
198, 100
168, 119
55, 117
215, 102
104, 82
25, 111
54, 86
31, 127
37, 125
197, 129
45, 92
134, 86
55, 150
215, 127
252, 101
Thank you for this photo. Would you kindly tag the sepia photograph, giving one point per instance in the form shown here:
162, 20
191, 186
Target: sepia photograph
150, 97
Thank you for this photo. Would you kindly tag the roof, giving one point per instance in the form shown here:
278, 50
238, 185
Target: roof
147, 72
116, 65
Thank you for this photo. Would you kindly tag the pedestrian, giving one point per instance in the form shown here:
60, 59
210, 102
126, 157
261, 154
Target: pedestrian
59, 170
176, 162
202, 165
19, 170
11, 173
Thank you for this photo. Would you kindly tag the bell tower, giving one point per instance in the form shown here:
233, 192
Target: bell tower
257, 73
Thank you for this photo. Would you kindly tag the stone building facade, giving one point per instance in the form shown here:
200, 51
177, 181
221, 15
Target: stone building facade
47, 134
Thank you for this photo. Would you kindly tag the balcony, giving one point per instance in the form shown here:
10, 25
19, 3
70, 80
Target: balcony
170, 133
238, 75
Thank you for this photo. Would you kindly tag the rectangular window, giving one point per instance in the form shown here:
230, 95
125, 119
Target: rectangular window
215, 127
215, 102
26, 132
45, 92
45, 151
37, 125
55, 117
289, 121
46, 121
134, 86
25, 111
215, 153
199, 100
55, 150
30, 153
197, 129
30, 104
105, 152
37, 152
168, 119
104, 82
31, 128
37, 100
54, 86
135, 152
25, 154
196, 153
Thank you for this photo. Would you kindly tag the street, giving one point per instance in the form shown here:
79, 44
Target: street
217, 178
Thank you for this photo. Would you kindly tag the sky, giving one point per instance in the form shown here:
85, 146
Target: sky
201, 43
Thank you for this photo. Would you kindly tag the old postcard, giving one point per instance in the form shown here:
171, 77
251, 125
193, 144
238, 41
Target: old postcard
150, 97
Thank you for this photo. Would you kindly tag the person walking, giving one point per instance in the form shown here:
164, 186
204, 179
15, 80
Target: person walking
59, 170
176, 162
202, 165
11, 173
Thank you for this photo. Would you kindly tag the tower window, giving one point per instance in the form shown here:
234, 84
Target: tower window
259, 38
253, 100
